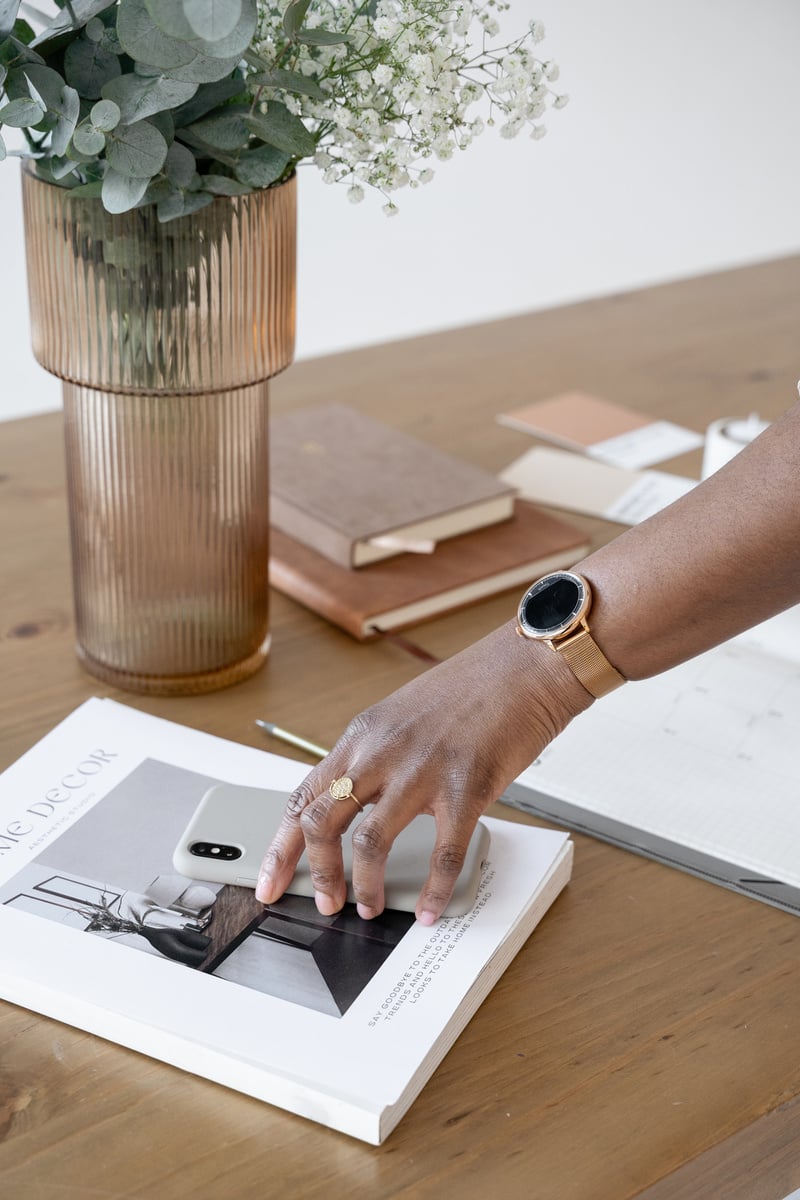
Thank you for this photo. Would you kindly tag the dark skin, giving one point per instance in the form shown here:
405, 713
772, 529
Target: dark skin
723, 558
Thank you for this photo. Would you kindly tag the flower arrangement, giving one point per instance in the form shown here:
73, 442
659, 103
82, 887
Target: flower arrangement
174, 102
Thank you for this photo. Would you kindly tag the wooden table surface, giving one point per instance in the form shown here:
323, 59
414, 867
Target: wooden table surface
645, 1041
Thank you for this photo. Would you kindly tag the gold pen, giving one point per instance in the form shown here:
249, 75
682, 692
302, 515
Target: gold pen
293, 739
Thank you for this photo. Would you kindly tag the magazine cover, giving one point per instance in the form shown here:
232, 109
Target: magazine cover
335, 1018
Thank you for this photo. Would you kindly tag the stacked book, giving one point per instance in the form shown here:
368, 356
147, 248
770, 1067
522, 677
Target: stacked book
376, 530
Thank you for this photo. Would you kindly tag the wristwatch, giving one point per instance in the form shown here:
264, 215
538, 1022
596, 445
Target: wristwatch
554, 610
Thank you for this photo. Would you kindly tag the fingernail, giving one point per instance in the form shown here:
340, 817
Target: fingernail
264, 888
366, 913
427, 918
326, 904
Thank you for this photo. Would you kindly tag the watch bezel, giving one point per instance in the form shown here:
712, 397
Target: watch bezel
565, 627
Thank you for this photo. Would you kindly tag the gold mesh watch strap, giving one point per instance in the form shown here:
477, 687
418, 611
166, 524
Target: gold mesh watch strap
589, 664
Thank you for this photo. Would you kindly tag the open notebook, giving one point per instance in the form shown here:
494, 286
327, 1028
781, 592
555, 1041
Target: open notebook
698, 768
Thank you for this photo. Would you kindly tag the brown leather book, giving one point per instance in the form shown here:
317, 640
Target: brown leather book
343, 483
403, 591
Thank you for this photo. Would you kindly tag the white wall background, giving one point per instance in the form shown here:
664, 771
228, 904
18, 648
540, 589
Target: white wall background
679, 153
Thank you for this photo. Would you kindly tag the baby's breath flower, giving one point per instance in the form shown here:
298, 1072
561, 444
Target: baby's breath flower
398, 91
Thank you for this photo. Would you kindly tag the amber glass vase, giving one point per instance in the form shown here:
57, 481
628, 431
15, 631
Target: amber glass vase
165, 336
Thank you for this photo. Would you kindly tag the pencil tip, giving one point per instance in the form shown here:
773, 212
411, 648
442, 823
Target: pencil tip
265, 725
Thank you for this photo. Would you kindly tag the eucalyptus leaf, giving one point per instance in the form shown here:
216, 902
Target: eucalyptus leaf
321, 37
14, 52
120, 193
289, 81
143, 41
44, 168
164, 122
106, 115
140, 96
2, 148
109, 40
294, 16
213, 19
88, 67
89, 140
78, 156
207, 97
72, 17
202, 150
226, 130
48, 83
180, 166
181, 203
278, 127
22, 112
8, 15
236, 43
204, 69
62, 168
136, 151
157, 190
35, 94
91, 189
261, 167
95, 30
170, 18
223, 185
68, 112
23, 32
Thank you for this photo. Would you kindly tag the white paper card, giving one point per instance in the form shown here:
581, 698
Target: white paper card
650, 444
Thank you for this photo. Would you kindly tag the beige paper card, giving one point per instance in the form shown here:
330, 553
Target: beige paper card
606, 431
564, 480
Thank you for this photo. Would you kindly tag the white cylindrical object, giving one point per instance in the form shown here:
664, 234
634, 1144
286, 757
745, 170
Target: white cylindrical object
726, 437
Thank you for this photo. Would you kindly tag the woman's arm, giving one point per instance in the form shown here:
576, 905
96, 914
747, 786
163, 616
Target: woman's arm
718, 561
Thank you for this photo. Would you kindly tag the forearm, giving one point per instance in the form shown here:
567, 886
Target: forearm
723, 558
720, 560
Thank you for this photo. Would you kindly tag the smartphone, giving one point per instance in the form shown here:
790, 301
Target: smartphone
232, 826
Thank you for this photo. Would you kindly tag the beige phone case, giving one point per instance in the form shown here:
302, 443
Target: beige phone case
243, 820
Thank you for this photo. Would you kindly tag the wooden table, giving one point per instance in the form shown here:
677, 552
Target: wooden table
645, 1041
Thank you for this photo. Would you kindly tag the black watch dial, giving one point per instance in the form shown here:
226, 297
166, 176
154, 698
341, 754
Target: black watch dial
553, 603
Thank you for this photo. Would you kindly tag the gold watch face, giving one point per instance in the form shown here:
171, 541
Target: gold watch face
554, 605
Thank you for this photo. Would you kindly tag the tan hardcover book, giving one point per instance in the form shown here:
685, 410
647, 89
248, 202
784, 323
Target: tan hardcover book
359, 491
402, 591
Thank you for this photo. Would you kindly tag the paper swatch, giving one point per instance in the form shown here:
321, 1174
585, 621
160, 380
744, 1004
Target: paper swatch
606, 431
563, 480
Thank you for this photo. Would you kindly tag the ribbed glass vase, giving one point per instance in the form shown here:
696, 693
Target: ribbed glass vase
165, 336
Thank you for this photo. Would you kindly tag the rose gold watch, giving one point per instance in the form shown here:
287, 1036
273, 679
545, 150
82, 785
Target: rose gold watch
554, 610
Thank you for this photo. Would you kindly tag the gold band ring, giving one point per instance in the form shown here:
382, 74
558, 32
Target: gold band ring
342, 789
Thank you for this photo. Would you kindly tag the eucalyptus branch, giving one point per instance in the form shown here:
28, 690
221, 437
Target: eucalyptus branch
139, 102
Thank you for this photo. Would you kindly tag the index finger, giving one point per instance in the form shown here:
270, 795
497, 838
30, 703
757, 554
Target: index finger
284, 851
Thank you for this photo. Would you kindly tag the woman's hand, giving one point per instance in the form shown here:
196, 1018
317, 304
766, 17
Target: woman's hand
447, 743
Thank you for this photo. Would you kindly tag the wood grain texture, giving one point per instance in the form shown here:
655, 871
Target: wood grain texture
643, 1043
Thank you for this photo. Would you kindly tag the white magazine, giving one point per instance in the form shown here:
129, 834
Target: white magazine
337, 1019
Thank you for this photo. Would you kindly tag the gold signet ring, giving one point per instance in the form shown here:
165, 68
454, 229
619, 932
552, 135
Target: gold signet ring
342, 789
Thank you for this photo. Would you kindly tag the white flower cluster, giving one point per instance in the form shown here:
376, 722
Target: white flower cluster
415, 81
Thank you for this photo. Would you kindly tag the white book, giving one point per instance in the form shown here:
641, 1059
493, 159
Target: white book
336, 1019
